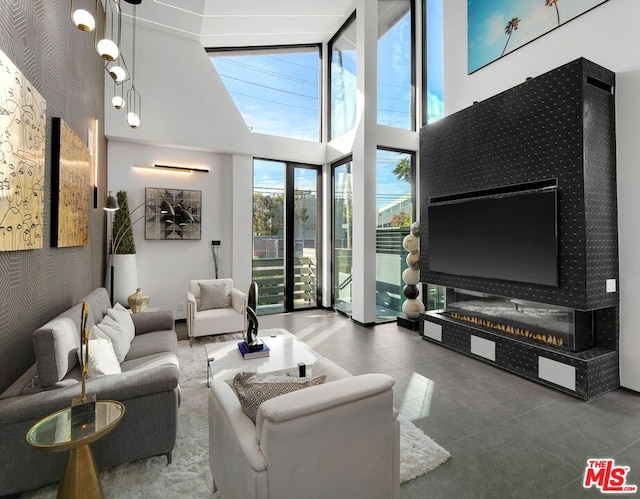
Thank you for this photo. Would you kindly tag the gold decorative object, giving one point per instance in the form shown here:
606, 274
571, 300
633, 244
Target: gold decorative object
83, 408
137, 301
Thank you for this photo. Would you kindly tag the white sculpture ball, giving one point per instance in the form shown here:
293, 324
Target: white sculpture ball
410, 276
411, 243
413, 260
412, 308
415, 228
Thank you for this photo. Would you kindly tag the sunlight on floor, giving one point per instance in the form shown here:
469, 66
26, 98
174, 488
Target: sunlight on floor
416, 402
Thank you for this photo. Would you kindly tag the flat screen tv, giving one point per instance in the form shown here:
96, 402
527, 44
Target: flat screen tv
510, 237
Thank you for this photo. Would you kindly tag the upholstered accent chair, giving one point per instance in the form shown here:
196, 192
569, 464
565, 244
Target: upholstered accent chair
214, 306
339, 439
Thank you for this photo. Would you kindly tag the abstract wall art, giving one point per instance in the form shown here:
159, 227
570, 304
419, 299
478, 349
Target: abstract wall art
172, 214
23, 119
71, 187
497, 27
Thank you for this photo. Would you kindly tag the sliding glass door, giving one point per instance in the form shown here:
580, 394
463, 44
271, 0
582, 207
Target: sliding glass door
285, 235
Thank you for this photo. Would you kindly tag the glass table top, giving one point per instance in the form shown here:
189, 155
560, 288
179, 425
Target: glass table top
56, 431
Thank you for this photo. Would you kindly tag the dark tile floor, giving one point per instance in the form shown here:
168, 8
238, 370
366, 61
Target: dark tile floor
508, 437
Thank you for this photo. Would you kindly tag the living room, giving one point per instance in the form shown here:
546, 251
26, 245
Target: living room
188, 118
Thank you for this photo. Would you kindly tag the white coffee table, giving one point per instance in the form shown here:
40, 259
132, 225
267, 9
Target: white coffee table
224, 360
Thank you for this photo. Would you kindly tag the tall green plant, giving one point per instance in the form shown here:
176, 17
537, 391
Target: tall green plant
122, 242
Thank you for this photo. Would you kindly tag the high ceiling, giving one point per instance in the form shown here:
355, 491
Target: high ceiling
224, 23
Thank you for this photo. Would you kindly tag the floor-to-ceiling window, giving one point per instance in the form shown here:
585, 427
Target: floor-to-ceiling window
395, 64
276, 89
395, 214
285, 235
342, 76
342, 227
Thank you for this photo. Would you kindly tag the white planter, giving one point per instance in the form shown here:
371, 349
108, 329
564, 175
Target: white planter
125, 278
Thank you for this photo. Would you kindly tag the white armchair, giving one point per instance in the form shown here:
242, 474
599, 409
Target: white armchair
338, 440
217, 320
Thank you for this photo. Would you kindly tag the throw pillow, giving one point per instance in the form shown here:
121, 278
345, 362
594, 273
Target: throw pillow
102, 358
113, 331
124, 320
120, 307
214, 295
252, 389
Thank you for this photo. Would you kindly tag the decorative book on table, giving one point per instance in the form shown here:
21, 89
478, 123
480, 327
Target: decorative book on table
248, 354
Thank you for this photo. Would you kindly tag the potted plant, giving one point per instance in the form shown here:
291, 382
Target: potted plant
123, 253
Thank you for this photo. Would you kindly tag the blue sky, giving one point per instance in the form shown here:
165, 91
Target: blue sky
487, 20
278, 94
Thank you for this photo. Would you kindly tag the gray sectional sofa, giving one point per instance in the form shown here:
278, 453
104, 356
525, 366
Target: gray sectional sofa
148, 387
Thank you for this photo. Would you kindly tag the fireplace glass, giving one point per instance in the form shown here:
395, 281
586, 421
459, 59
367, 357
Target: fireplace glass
539, 323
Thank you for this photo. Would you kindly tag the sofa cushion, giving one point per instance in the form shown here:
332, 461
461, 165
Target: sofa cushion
56, 344
214, 295
102, 358
253, 388
152, 343
150, 361
124, 320
114, 332
98, 301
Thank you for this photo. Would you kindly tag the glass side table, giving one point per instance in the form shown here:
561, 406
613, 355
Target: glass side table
56, 433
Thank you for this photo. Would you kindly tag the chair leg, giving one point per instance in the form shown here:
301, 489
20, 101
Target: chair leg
169, 457
190, 341
215, 487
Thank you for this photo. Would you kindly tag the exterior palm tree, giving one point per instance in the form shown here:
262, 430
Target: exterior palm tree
511, 27
402, 170
553, 3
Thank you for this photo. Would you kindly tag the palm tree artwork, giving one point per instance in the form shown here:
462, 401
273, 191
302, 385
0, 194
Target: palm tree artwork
553, 3
511, 27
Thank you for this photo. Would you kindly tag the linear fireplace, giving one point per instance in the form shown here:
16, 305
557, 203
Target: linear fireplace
538, 323
518, 207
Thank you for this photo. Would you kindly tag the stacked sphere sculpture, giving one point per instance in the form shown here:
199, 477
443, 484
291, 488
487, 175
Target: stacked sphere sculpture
412, 307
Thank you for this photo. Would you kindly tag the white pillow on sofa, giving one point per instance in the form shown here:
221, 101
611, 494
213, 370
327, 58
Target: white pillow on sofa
102, 358
112, 330
124, 320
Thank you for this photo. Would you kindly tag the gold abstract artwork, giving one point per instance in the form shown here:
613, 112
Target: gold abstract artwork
71, 182
23, 119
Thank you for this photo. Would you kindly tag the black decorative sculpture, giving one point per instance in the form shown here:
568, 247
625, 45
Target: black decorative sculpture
253, 343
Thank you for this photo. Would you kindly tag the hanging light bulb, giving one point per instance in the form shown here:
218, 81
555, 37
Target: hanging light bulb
134, 100
106, 46
81, 18
117, 101
134, 104
118, 73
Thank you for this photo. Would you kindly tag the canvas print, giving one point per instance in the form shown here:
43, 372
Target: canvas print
23, 119
70, 193
172, 214
497, 27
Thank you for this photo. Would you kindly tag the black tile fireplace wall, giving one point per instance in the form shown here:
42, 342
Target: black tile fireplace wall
558, 127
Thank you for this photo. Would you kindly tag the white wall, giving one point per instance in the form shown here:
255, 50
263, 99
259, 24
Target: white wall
165, 267
608, 36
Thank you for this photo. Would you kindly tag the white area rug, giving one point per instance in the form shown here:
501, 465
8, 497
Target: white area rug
188, 476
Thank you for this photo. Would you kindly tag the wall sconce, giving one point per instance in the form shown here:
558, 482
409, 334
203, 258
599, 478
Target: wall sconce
181, 168
178, 169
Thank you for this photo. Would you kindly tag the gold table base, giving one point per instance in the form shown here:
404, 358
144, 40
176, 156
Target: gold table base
80, 478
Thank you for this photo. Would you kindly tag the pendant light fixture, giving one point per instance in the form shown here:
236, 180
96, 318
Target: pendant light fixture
118, 100
81, 18
134, 100
108, 42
